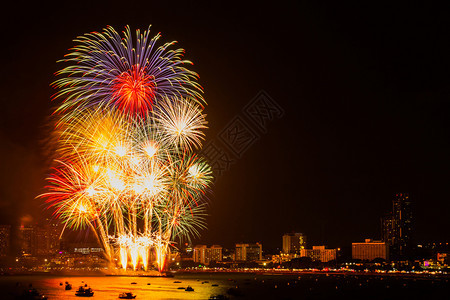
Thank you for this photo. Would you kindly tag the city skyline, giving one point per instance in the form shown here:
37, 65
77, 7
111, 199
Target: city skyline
364, 112
396, 231
40, 243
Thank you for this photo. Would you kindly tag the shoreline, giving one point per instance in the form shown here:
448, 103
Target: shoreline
169, 274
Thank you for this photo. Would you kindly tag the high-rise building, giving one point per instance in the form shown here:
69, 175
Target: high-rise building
205, 255
5, 239
40, 239
26, 234
46, 238
319, 253
248, 252
370, 250
293, 243
402, 224
215, 253
397, 226
387, 229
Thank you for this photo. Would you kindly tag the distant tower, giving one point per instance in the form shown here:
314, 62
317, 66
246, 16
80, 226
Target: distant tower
5, 239
402, 224
293, 243
397, 226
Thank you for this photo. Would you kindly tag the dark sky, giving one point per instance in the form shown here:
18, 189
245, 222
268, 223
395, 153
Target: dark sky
364, 89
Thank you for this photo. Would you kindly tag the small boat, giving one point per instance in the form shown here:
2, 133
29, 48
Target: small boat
84, 292
176, 281
189, 289
128, 295
205, 281
148, 283
215, 284
218, 297
32, 293
68, 287
60, 283
181, 288
134, 282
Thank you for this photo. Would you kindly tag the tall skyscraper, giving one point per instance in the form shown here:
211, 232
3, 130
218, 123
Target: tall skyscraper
397, 226
293, 243
5, 239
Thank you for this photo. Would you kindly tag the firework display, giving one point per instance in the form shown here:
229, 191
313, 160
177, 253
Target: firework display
129, 122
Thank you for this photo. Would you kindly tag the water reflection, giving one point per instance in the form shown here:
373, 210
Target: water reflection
106, 287
246, 286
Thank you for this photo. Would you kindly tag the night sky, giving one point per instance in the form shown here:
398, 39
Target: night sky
365, 90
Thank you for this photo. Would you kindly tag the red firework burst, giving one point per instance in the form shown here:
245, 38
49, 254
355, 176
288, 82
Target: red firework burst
134, 90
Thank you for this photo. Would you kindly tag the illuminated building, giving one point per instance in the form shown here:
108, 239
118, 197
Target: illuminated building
319, 253
46, 238
248, 252
293, 243
88, 250
402, 224
397, 226
39, 240
387, 229
443, 258
26, 234
200, 254
5, 236
370, 250
205, 255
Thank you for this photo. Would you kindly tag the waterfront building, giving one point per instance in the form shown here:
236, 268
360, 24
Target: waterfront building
26, 240
248, 252
370, 250
397, 226
46, 238
5, 239
293, 243
205, 255
402, 224
39, 239
319, 253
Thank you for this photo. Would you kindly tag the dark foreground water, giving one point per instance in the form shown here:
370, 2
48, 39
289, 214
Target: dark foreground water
245, 286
